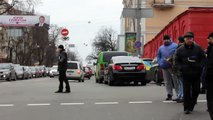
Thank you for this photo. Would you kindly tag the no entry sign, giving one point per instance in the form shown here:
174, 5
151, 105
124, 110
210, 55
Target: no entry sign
64, 32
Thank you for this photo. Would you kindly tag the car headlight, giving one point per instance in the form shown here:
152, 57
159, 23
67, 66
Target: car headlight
4, 76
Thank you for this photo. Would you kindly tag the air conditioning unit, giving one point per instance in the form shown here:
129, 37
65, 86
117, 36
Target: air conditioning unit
168, 1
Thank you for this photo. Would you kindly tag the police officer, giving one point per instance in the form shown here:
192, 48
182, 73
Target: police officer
209, 75
62, 68
188, 60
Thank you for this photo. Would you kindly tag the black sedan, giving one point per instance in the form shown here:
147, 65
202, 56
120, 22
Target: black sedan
125, 69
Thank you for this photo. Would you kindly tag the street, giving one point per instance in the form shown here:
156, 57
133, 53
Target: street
35, 100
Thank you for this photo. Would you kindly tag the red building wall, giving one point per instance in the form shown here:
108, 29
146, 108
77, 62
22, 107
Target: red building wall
197, 20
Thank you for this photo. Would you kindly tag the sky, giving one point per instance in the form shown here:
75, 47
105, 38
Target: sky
75, 16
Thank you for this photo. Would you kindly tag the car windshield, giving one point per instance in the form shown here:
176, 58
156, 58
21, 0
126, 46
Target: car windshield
4, 66
107, 56
72, 66
126, 59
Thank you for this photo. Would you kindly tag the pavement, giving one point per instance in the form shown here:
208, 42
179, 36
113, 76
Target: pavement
35, 100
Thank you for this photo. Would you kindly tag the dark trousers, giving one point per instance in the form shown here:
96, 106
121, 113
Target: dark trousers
63, 78
191, 89
209, 96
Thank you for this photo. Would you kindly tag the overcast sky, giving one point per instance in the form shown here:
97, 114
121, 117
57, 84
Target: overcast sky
75, 14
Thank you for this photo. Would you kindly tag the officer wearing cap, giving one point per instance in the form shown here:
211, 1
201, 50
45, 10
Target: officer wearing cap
188, 60
62, 68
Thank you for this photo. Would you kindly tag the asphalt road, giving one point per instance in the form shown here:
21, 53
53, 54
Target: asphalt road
35, 100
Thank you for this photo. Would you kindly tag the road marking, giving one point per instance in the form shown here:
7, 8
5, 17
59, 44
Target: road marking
169, 101
106, 103
72, 103
39, 104
6, 105
140, 102
202, 101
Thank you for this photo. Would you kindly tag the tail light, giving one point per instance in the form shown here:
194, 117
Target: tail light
117, 67
79, 72
102, 66
140, 67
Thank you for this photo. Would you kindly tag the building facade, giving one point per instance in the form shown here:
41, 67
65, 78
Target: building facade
164, 12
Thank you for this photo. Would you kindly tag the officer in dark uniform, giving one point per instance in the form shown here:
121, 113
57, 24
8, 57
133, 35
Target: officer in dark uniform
62, 68
189, 59
209, 75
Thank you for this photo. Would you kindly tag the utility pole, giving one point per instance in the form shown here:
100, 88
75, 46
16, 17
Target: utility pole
138, 26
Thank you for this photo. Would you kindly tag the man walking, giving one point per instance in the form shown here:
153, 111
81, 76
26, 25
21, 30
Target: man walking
62, 68
189, 59
209, 75
165, 54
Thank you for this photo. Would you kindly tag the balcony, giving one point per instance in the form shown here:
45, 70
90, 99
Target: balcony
163, 4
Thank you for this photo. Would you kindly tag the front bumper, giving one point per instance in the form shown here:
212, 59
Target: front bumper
4, 76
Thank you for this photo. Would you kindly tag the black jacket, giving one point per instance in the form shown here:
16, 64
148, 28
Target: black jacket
189, 60
62, 61
209, 65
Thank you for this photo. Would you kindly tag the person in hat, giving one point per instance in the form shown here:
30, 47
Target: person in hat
188, 60
62, 68
209, 75
164, 56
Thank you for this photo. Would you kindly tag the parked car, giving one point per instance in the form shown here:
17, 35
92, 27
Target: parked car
7, 72
54, 71
87, 72
28, 72
20, 72
104, 59
155, 73
35, 72
125, 69
74, 71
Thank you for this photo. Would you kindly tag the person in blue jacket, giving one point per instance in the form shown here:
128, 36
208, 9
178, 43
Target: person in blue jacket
164, 57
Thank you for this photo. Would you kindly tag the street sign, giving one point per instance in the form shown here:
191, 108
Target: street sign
138, 44
64, 32
137, 13
65, 38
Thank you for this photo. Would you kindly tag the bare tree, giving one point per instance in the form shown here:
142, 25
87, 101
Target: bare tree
105, 40
72, 56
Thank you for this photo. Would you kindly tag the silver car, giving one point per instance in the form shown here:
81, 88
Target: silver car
7, 72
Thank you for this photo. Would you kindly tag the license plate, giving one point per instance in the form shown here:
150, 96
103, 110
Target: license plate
70, 71
129, 68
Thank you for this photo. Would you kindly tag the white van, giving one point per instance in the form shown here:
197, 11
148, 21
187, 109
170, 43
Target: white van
74, 71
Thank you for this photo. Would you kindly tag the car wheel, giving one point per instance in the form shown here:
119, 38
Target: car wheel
9, 78
143, 83
111, 79
135, 82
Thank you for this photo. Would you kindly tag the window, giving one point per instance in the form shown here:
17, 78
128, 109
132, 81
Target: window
72, 66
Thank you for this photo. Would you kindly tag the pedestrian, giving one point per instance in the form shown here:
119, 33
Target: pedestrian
209, 75
178, 73
189, 59
165, 54
62, 68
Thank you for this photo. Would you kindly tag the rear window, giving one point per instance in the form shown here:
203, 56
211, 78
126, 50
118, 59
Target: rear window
72, 66
107, 56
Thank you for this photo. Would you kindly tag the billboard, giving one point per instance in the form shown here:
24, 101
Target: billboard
23, 20
130, 39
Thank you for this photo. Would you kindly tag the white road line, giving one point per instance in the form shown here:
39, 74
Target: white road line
106, 103
72, 103
39, 104
6, 105
140, 102
169, 101
202, 101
